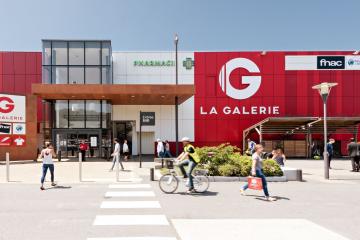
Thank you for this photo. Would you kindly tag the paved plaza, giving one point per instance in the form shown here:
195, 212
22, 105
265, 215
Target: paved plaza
99, 208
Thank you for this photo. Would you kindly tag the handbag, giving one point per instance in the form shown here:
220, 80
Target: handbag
255, 183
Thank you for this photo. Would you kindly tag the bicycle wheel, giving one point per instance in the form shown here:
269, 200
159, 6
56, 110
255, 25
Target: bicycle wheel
201, 183
168, 183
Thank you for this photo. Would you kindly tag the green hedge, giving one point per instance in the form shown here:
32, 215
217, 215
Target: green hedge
226, 160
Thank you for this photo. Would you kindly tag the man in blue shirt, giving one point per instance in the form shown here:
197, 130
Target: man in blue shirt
330, 149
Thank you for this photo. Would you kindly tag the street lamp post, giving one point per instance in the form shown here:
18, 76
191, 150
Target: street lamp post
176, 41
324, 90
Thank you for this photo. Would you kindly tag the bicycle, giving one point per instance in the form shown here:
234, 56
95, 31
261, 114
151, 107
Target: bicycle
169, 182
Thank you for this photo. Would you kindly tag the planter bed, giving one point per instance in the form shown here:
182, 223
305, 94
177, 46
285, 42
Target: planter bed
158, 174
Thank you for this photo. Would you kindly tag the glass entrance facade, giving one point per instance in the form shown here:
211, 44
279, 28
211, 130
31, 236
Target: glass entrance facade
74, 121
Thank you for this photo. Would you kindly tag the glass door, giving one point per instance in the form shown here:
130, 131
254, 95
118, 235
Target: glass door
61, 144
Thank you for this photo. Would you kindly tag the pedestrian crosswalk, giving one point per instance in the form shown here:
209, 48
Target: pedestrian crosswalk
132, 207
130, 204
111, 220
135, 238
130, 194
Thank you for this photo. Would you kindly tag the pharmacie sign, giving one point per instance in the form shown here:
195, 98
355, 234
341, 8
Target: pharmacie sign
187, 63
154, 63
12, 108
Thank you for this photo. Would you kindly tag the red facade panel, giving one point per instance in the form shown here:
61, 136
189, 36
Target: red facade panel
18, 70
220, 117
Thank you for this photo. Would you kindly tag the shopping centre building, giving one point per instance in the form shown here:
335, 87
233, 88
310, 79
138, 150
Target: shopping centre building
83, 90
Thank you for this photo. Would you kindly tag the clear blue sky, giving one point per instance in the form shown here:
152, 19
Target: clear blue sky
201, 25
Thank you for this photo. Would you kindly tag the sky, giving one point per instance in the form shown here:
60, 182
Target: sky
150, 25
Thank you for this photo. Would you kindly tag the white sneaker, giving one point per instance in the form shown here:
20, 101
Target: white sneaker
242, 192
270, 199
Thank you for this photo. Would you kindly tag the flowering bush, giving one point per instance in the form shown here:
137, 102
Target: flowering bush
226, 160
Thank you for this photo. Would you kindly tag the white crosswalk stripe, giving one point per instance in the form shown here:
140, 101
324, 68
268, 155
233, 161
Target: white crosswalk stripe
130, 194
111, 220
134, 238
130, 204
129, 186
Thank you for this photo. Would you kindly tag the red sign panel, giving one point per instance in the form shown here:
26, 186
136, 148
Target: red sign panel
19, 141
5, 140
235, 90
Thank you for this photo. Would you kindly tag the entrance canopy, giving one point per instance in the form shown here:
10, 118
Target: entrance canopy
303, 125
121, 94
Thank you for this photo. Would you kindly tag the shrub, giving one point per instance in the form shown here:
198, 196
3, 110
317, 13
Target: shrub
226, 160
229, 169
271, 168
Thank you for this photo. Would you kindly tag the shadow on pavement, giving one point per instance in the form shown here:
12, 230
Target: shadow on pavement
58, 187
205, 194
257, 197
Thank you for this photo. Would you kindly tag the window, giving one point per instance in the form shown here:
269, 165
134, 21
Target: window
46, 56
106, 53
106, 114
59, 53
46, 74
76, 75
106, 75
76, 114
92, 53
76, 53
92, 75
61, 113
59, 75
93, 112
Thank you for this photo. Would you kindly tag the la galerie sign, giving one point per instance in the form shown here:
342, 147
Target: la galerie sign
12, 108
253, 82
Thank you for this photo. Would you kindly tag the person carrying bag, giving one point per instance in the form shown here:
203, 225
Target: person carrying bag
256, 171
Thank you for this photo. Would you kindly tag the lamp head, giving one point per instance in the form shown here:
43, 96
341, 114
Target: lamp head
324, 89
176, 39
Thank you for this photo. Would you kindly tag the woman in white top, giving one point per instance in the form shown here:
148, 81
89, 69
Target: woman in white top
116, 155
47, 154
125, 150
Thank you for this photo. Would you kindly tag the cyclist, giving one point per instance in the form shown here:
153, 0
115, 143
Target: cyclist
190, 158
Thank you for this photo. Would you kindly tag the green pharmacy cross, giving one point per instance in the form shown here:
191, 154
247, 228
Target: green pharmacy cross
188, 63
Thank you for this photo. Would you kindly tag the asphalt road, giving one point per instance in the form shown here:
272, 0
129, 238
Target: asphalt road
73, 211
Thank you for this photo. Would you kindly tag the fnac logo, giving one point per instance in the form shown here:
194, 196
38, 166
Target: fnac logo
6, 105
253, 81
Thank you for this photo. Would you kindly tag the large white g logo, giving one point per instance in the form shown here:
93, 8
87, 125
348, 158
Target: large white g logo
253, 81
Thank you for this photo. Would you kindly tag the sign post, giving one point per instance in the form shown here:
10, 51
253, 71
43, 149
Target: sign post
146, 119
7, 167
80, 167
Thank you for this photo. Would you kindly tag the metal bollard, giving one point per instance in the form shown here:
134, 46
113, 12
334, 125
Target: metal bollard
59, 155
117, 168
80, 167
152, 177
7, 167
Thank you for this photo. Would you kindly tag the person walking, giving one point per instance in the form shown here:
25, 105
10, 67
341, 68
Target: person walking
330, 150
190, 158
126, 151
354, 153
160, 148
116, 155
256, 170
167, 153
251, 147
83, 148
46, 155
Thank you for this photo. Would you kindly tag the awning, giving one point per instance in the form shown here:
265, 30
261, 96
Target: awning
122, 94
304, 125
